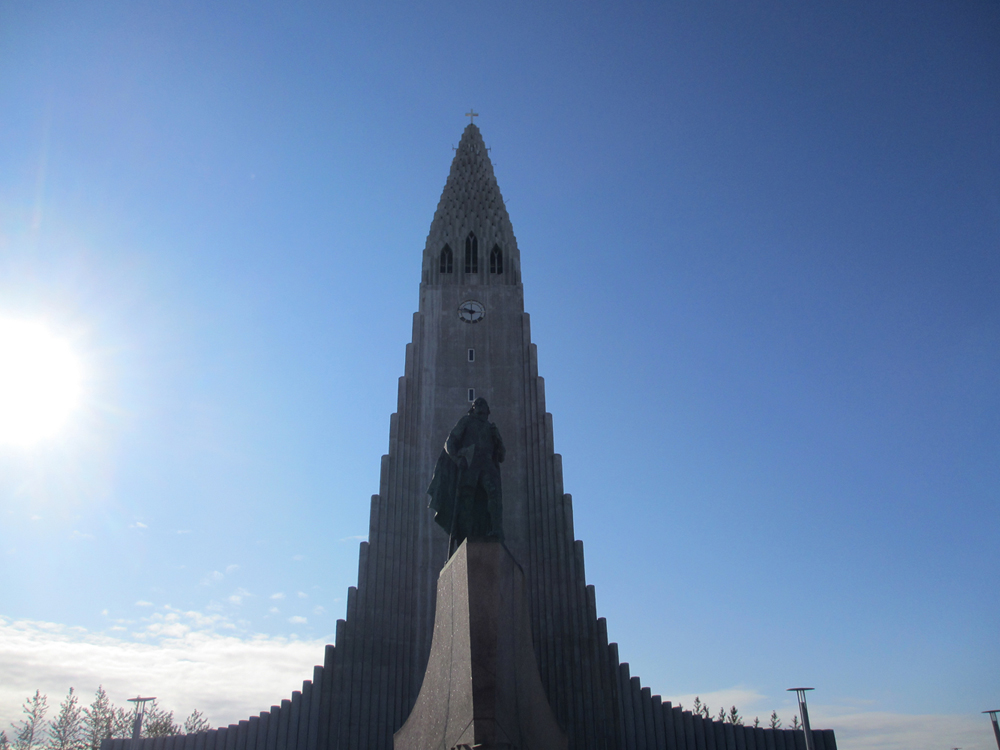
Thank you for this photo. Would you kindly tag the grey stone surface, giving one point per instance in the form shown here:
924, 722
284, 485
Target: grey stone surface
482, 687
253, 729
272, 728
294, 714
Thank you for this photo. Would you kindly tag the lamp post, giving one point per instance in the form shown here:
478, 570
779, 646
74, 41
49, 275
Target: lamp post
140, 710
804, 713
993, 718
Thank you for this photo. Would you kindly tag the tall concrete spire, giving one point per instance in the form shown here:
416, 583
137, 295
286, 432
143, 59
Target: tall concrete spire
471, 202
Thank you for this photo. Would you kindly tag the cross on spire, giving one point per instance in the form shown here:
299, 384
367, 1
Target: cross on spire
472, 115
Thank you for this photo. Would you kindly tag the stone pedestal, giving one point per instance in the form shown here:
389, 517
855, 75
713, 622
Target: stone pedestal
481, 688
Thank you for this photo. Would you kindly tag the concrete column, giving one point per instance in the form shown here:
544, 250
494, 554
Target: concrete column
628, 711
294, 713
482, 686
273, 722
299, 730
670, 734
312, 731
284, 716
262, 720
252, 729
660, 739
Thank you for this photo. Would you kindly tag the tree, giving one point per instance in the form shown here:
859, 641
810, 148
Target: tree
98, 720
66, 730
795, 722
722, 714
775, 721
158, 722
196, 722
734, 717
4, 742
756, 722
30, 731
700, 709
121, 722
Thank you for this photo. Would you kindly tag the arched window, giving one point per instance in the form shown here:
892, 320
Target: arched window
471, 254
446, 262
496, 260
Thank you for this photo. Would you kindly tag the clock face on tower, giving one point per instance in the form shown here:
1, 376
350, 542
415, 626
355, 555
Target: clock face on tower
471, 311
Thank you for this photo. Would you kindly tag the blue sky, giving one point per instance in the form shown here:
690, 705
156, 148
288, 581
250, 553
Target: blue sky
760, 251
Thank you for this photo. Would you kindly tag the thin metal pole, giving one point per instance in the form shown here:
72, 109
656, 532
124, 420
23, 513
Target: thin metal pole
996, 729
804, 713
140, 710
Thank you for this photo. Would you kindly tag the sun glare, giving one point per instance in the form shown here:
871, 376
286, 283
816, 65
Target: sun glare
40, 382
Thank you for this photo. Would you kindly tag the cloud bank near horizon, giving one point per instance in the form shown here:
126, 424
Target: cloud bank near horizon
184, 660
181, 658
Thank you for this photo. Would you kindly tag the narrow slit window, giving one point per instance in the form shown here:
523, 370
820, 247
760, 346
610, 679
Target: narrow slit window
472, 355
472, 395
447, 263
471, 254
496, 260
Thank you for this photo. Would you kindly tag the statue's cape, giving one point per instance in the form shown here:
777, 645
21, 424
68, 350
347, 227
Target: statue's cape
443, 491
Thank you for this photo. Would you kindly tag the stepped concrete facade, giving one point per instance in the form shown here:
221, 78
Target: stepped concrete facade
471, 337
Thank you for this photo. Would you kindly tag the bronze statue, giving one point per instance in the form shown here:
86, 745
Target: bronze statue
465, 490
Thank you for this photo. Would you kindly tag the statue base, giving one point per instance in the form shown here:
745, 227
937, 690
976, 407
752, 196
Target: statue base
482, 688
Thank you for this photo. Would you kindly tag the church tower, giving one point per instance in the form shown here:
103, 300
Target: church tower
471, 337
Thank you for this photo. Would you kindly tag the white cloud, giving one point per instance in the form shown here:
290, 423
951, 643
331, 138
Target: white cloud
142, 603
297, 620
303, 595
183, 531
875, 730
278, 595
238, 596
743, 698
185, 663
213, 577
232, 568
856, 727
138, 525
318, 610
274, 610
298, 557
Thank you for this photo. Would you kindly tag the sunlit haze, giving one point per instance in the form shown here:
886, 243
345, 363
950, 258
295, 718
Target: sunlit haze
39, 382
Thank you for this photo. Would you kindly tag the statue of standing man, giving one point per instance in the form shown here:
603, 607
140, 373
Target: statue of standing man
465, 490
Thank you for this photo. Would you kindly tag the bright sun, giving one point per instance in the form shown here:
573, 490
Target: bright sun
40, 382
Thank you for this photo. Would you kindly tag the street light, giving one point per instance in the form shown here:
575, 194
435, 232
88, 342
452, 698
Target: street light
804, 713
996, 729
140, 709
